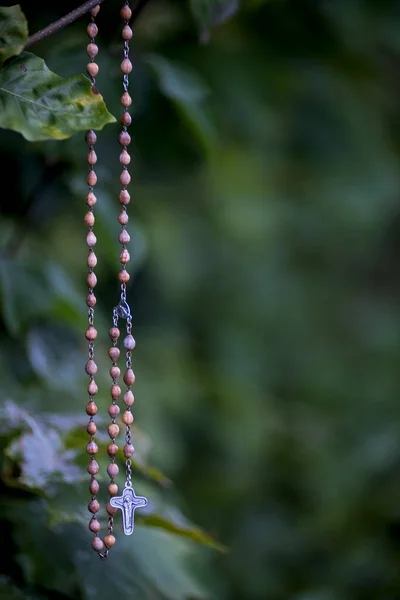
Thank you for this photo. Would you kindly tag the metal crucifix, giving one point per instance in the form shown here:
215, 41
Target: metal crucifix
128, 503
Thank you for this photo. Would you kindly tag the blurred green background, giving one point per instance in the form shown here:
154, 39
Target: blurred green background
265, 237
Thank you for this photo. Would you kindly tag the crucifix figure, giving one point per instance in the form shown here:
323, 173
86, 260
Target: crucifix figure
128, 503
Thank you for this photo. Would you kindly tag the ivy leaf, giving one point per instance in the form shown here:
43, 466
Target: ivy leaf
13, 31
41, 105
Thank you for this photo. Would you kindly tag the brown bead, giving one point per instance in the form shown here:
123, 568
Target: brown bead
127, 33
91, 280
126, 119
127, 417
91, 409
129, 377
91, 178
110, 509
125, 178
113, 430
93, 388
126, 100
128, 450
92, 30
113, 410
94, 525
115, 392
91, 199
93, 467
124, 197
124, 257
129, 342
91, 157
94, 487
91, 428
91, 239
94, 506
92, 69
92, 50
124, 158
123, 217
97, 544
124, 138
114, 353
92, 448
91, 260
109, 540
91, 367
89, 219
95, 10
91, 333
124, 237
91, 300
115, 372
112, 470
123, 276
126, 13
114, 333
90, 137
126, 66
112, 449
129, 398
113, 489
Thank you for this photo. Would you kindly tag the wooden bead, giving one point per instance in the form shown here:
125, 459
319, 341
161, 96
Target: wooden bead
124, 158
90, 137
92, 30
124, 257
129, 377
91, 428
91, 408
127, 33
93, 467
94, 525
115, 372
112, 450
124, 197
91, 157
95, 11
123, 276
126, 119
115, 392
91, 333
92, 448
97, 544
94, 487
110, 509
123, 217
112, 470
91, 239
126, 100
91, 199
91, 367
126, 66
124, 237
124, 138
91, 280
91, 260
113, 430
113, 410
109, 540
127, 417
129, 398
92, 388
114, 333
92, 69
126, 13
91, 300
91, 178
114, 353
125, 178
129, 343
94, 506
92, 50
113, 489
128, 450
89, 219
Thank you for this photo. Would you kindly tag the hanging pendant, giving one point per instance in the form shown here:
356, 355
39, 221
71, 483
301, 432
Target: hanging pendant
128, 503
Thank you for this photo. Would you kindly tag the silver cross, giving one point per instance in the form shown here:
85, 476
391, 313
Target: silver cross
128, 503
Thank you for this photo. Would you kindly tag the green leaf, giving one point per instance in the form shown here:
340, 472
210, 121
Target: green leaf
13, 31
209, 13
41, 105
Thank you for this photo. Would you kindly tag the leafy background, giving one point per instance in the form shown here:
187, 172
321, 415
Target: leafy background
265, 226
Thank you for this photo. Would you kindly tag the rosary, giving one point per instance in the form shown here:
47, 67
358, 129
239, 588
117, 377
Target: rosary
128, 502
